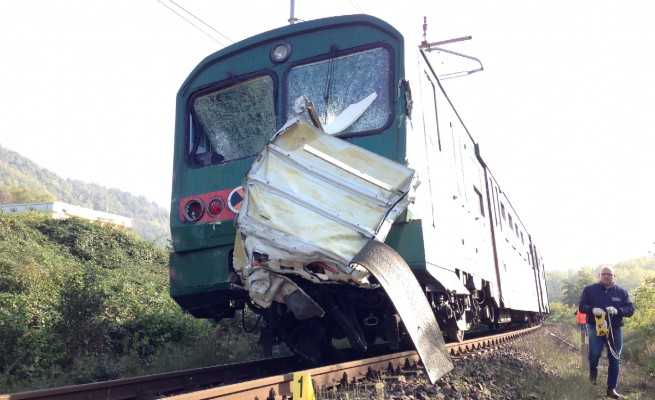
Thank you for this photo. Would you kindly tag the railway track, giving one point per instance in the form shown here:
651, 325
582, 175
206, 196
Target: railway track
262, 379
153, 386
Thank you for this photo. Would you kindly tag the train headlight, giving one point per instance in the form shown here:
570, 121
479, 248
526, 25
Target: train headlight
216, 206
280, 52
193, 211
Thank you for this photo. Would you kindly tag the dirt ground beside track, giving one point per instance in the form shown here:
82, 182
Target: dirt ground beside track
535, 367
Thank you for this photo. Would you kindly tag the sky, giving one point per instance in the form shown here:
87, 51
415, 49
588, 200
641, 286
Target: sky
562, 111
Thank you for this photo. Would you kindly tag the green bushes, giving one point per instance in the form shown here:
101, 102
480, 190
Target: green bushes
640, 329
81, 302
103, 246
562, 313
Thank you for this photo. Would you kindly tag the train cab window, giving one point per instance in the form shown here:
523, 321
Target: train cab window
336, 82
494, 202
232, 122
480, 200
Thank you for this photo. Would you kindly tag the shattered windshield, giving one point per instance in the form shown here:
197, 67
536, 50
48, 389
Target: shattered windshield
233, 122
335, 83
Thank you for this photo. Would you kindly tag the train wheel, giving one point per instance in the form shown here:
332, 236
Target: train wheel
453, 333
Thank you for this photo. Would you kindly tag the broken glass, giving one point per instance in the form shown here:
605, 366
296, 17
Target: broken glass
335, 83
233, 122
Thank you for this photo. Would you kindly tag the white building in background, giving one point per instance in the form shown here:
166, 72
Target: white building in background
61, 210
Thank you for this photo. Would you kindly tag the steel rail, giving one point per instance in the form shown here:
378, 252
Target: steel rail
261, 387
277, 387
153, 386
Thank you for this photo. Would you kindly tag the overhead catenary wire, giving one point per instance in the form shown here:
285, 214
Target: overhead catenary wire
200, 25
187, 20
202, 22
356, 6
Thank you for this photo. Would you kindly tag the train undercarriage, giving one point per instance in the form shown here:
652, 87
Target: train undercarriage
359, 319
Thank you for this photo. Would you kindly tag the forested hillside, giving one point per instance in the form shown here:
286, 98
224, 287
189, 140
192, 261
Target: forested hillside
22, 181
80, 302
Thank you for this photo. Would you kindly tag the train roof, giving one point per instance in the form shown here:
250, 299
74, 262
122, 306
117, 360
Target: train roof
286, 31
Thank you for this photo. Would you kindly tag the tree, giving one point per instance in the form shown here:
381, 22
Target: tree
574, 284
17, 194
570, 292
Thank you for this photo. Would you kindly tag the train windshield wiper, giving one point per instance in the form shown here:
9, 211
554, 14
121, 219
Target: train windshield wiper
328, 84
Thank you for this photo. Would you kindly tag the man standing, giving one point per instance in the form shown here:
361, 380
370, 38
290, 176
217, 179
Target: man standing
612, 302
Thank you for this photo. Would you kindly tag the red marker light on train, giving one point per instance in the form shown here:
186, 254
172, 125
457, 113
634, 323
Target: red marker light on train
193, 211
216, 206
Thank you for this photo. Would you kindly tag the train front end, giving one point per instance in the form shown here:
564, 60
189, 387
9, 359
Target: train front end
229, 108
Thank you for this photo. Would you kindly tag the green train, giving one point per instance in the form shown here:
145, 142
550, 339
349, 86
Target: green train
469, 250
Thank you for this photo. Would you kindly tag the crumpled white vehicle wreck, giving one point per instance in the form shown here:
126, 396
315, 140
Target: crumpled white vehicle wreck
317, 210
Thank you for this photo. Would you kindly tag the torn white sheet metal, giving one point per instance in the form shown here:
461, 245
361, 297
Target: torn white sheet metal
407, 296
264, 286
314, 198
448, 279
350, 115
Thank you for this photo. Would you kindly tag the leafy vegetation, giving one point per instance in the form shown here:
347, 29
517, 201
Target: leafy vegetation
641, 327
638, 277
81, 302
22, 181
562, 313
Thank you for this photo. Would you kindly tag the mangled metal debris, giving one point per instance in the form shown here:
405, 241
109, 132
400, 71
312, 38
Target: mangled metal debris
403, 289
314, 198
315, 205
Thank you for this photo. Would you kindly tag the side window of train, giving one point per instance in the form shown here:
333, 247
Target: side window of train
458, 160
480, 200
221, 129
427, 117
436, 112
453, 143
502, 211
494, 201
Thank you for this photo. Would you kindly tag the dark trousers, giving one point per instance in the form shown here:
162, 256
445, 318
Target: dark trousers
596, 346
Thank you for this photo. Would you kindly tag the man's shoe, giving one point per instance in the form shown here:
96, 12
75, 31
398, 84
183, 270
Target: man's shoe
613, 394
593, 375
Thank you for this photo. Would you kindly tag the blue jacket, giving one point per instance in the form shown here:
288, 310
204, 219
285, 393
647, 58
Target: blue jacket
597, 295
